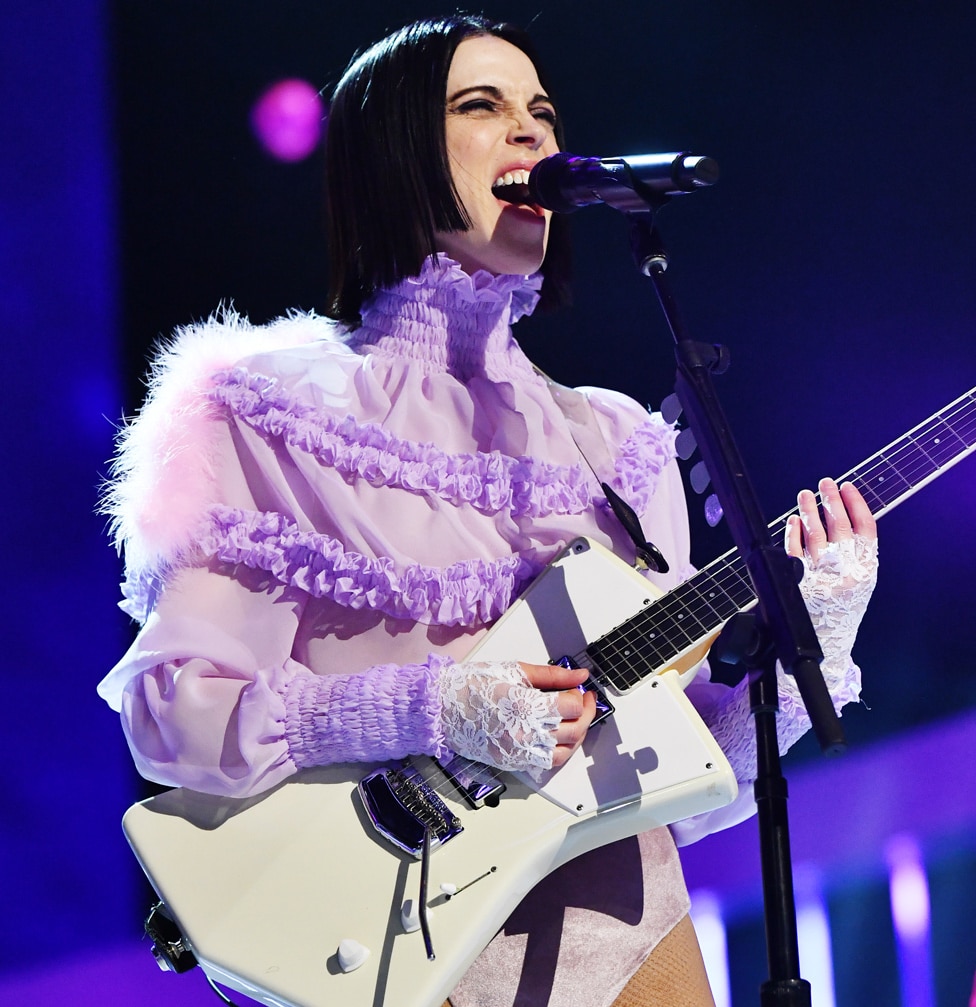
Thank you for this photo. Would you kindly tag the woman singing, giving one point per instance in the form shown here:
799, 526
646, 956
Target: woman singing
321, 517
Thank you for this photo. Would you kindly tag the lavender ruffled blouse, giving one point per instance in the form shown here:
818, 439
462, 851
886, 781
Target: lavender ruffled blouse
314, 519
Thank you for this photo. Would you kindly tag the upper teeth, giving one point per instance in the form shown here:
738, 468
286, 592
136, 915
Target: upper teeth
517, 177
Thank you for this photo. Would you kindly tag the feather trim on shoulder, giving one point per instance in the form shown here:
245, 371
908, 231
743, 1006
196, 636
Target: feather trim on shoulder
162, 476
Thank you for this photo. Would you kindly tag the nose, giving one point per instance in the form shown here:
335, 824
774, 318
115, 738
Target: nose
526, 130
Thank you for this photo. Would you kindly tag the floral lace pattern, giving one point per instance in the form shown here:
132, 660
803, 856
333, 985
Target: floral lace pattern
836, 589
490, 713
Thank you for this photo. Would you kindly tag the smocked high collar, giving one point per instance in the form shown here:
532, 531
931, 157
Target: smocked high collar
445, 320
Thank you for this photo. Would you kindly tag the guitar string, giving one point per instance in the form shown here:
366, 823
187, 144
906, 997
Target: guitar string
924, 451
919, 454
920, 444
919, 460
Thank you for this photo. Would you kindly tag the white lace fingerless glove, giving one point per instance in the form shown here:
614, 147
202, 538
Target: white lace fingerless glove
490, 713
836, 589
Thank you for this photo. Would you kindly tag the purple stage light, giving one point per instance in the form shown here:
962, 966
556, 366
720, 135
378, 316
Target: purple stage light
909, 888
911, 916
287, 119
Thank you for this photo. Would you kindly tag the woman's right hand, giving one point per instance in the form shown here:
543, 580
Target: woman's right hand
576, 708
514, 715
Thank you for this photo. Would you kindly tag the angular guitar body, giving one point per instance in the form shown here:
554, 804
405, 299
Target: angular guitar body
265, 889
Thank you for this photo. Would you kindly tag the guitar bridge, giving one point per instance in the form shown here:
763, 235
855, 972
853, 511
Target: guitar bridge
402, 806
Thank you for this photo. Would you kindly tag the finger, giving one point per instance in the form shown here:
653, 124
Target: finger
569, 704
862, 520
553, 676
836, 518
571, 733
814, 534
794, 536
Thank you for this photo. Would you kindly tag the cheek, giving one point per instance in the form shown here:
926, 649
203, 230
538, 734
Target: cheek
464, 153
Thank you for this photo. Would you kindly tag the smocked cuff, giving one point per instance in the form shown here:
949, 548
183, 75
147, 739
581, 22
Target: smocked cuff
386, 712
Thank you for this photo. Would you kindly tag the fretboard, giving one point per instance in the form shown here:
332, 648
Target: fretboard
697, 609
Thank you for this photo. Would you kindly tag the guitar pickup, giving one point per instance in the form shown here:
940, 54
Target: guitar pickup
604, 708
479, 784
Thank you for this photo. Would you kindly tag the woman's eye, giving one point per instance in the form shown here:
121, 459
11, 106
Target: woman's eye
478, 105
546, 115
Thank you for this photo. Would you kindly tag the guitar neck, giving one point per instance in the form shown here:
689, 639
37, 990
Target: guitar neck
696, 609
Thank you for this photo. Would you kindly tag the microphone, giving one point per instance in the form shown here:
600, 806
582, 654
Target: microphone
564, 182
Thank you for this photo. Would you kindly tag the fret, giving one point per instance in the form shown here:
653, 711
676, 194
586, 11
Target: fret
681, 619
625, 655
941, 441
924, 451
880, 483
625, 662
694, 610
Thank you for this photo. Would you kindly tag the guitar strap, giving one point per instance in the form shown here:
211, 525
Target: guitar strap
592, 446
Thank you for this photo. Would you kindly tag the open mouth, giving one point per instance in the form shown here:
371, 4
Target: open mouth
513, 187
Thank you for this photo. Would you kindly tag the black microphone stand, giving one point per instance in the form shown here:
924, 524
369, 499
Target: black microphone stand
780, 628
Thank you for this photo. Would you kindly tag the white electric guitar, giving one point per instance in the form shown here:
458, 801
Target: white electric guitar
364, 886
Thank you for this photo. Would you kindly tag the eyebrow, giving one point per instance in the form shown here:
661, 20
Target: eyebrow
496, 93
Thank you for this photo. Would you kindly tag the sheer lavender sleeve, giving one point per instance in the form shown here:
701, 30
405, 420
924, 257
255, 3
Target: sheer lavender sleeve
836, 590
212, 699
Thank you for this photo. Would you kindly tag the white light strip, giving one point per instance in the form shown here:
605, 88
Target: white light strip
706, 914
813, 937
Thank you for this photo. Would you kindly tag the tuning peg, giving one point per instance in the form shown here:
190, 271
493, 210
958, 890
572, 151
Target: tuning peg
671, 408
685, 444
700, 477
713, 511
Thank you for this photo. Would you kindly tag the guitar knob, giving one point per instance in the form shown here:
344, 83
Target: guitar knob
351, 954
409, 917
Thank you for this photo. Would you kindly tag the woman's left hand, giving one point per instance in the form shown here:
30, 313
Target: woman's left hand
839, 549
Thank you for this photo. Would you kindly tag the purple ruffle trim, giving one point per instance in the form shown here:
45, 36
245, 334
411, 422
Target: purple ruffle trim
467, 593
386, 712
140, 589
488, 481
642, 458
481, 287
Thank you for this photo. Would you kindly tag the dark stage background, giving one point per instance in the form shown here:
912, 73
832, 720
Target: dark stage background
834, 258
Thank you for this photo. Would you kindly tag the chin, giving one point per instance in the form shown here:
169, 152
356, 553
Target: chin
506, 245
518, 261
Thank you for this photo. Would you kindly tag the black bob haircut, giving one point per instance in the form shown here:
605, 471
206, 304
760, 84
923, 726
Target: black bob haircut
388, 182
